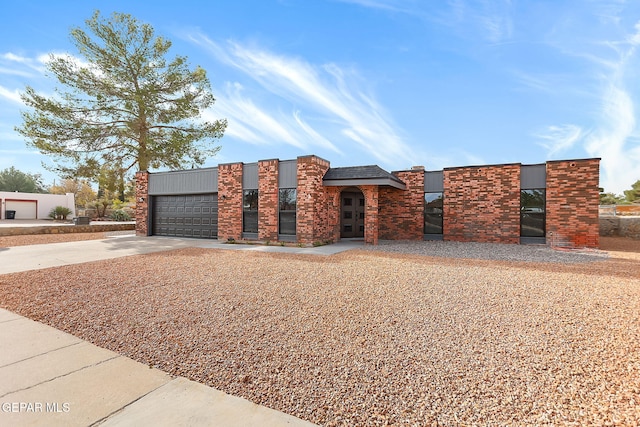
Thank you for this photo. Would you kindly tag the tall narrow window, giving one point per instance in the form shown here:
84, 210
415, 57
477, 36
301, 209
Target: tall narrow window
433, 213
532, 213
287, 217
250, 211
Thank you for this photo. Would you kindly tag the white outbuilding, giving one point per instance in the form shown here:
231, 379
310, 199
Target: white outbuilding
33, 205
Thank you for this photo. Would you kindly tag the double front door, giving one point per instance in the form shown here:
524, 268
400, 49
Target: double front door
352, 214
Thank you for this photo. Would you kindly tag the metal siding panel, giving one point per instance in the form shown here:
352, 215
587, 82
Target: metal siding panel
288, 174
533, 176
434, 182
184, 182
250, 176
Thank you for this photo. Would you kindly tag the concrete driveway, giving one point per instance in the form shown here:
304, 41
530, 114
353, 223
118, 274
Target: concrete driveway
34, 257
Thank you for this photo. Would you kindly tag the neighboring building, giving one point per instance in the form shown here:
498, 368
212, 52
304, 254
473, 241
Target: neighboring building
306, 201
34, 205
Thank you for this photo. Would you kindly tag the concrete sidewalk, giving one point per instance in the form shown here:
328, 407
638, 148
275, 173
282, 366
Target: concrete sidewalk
51, 378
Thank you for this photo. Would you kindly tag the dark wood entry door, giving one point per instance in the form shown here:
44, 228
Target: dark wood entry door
352, 214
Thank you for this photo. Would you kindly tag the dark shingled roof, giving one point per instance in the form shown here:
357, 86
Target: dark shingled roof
376, 174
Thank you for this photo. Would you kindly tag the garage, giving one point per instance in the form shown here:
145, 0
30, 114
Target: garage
186, 215
24, 209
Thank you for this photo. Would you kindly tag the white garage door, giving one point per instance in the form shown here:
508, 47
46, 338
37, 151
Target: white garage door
25, 209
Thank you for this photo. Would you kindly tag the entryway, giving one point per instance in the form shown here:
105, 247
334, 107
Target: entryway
352, 213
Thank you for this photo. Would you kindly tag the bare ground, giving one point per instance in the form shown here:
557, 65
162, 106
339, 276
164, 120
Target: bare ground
368, 338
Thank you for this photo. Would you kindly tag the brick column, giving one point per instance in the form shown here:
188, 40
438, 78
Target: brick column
572, 202
482, 204
230, 201
142, 203
312, 220
268, 200
371, 217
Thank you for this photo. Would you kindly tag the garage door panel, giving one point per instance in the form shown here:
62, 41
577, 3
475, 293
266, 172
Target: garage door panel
24, 209
186, 215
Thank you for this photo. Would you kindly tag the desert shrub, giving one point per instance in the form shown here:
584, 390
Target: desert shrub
59, 212
120, 215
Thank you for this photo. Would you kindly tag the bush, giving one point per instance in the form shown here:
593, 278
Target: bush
59, 212
120, 215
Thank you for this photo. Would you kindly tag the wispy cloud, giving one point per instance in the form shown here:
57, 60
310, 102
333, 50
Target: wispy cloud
11, 95
490, 20
557, 139
10, 62
616, 140
332, 99
17, 69
495, 18
254, 125
614, 133
401, 6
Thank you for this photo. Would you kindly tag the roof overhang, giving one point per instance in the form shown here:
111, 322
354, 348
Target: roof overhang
355, 182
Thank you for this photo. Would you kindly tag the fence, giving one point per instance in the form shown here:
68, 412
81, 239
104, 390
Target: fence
619, 210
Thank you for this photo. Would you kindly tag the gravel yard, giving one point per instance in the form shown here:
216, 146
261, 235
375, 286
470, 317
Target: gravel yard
371, 337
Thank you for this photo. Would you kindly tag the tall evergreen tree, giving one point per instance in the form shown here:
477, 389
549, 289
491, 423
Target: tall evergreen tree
123, 104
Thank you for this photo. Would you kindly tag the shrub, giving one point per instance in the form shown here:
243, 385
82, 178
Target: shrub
59, 212
120, 215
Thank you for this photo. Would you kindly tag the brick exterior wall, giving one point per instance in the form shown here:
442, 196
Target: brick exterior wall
402, 211
312, 217
572, 203
268, 212
482, 204
230, 201
142, 207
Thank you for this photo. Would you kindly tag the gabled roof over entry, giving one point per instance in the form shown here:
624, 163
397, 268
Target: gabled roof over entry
361, 175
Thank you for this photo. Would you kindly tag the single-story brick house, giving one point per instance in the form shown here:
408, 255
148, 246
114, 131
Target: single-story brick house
305, 200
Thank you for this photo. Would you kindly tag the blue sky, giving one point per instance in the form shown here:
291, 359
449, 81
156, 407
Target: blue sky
390, 82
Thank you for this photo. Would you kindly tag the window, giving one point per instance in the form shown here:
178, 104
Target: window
532, 213
250, 211
287, 215
433, 204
